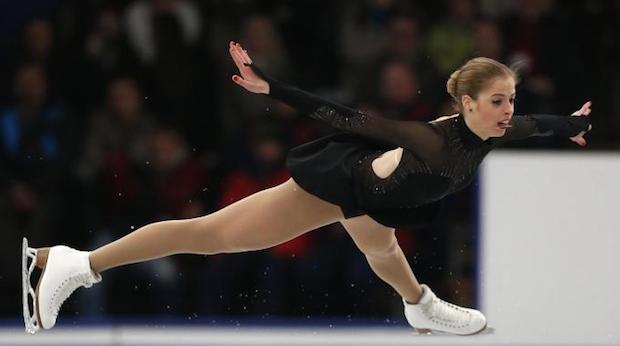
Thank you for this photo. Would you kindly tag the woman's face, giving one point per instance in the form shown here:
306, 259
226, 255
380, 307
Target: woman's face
493, 108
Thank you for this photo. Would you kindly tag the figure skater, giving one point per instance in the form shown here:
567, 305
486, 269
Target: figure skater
373, 176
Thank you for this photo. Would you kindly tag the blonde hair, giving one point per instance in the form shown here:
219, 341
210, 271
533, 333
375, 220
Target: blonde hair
474, 76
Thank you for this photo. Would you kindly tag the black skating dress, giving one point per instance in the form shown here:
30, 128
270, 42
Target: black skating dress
439, 158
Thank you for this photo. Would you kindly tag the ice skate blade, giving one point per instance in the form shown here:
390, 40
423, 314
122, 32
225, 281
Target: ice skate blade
485, 330
31, 323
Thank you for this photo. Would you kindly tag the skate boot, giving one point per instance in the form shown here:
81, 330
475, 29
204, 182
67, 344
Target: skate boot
432, 314
66, 270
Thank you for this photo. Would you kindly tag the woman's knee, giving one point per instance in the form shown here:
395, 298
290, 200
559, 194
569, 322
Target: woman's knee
386, 247
204, 238
211, 235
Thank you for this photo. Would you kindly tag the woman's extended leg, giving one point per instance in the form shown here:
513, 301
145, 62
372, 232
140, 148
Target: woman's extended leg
423, 310
387, 260
259, 221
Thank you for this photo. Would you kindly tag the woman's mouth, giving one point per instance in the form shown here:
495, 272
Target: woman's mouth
504, 124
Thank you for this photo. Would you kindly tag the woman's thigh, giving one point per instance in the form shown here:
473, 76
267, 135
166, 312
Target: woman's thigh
268, 218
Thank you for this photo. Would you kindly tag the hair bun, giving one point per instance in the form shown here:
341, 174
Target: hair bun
451, 85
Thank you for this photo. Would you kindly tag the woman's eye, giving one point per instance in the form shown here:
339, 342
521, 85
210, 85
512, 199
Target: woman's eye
512, 101
497, 102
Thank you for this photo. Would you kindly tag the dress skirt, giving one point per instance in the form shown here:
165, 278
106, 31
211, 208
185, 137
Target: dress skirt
324, 168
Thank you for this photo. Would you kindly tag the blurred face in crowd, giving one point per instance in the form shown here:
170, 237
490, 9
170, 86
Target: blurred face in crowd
124, 99
398, 84
260, 35
109, 23
488, 40
534, 9
492, 108
268, 151
164, 5
380, 4
462, 9
168, 149
31, 85
403, 37
39, 39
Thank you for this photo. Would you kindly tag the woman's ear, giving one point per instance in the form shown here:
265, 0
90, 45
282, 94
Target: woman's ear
467, 102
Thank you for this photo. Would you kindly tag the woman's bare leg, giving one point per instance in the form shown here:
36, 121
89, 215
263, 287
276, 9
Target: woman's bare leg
259, 221
387, 260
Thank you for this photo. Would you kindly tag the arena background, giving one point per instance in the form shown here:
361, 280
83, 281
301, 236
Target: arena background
127, 116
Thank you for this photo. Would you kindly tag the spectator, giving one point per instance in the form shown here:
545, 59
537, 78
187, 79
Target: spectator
178, 179
34, 186
404, 44
115, 154
363, 35
450, 41
533, 45
33, 146
107, 52
399, 95
166, 36
488, 40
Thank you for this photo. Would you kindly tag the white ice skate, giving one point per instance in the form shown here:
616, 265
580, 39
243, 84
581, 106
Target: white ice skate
432, 314
66, 270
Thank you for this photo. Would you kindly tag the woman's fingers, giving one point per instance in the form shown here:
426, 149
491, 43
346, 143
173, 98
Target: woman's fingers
582, 141
579, 139
584, 110
240, 52
246, 72
586, 105
235, 56
241, 59
245, 56
239, 62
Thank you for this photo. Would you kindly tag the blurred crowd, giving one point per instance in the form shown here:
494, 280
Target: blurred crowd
115, 114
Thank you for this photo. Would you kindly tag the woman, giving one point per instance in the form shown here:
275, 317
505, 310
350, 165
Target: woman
376, 175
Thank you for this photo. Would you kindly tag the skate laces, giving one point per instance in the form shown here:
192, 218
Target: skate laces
446, 314
66, 288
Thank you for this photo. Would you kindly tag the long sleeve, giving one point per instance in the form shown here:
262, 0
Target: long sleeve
421, 138
524, 126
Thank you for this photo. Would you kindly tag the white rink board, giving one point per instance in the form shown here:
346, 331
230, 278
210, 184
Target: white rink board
550, 247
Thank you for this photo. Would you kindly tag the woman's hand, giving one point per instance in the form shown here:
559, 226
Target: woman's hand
248, 79
584, 111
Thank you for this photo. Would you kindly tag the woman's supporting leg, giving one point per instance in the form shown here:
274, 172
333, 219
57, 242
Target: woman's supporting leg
259, 221
387, 260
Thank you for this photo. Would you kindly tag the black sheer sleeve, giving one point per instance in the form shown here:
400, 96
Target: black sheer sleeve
524, 126
421, 138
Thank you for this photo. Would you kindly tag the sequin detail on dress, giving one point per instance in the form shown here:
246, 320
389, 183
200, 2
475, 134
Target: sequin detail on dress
345, 122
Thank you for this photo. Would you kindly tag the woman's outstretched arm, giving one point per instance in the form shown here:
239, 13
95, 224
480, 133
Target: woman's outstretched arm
574, 126
419, 137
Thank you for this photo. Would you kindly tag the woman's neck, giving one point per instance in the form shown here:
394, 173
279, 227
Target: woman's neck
475, 129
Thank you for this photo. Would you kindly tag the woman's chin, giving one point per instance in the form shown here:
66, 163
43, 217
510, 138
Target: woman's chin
498, 132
